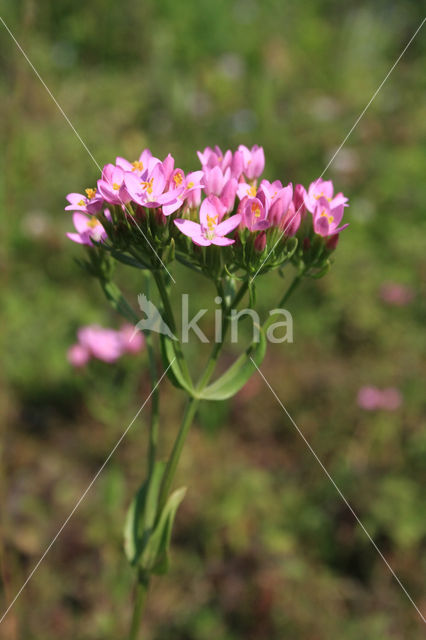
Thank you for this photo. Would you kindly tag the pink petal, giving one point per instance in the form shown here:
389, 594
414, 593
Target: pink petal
188, 227
228, 225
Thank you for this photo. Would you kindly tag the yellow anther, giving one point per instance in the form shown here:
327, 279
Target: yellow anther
324, 214
93, 222
252, 191
255, 209
90, 193
115, 186
147, 185
178, 179
190, 185
211, 222
137, 165
81, 203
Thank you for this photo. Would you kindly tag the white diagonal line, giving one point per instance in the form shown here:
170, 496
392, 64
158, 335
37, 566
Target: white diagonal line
339, 492
84, 494
347, 136
79, 137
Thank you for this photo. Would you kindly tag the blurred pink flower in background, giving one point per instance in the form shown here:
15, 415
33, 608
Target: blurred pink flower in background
104, 344
78, 356
396, 294
371, 398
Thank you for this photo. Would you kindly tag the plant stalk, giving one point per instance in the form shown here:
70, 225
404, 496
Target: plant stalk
142, 586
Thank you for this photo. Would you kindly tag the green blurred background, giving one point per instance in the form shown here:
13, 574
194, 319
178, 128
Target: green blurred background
264, 547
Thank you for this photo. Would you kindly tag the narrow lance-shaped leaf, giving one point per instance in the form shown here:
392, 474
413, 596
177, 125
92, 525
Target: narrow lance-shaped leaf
237, 375
155, 556
174, 372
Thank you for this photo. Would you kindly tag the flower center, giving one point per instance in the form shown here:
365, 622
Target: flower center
252, 191
90, 193
211, 223
93, 223
324, 214
255, 209
147, 185
115, 186
178, 179
137, 165
81, 203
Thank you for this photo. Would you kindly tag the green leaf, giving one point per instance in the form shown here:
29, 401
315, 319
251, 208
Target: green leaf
126, 259
238, 374
118, 302
155, 556
175, 373
142, 514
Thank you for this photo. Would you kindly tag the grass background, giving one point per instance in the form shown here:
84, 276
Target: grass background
264, 547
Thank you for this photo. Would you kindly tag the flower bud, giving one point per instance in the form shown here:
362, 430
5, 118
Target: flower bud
260, 242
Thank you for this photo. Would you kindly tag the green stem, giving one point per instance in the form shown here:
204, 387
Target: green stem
172, 463
217, 347
155, 394
192, 405
296, 281
161, 285
142, 586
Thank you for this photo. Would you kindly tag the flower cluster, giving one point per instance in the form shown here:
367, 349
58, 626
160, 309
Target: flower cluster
145, 210
107, 345
372, 399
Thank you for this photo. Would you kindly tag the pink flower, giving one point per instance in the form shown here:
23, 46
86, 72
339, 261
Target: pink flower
104, 344
90, 203
138, 166
322, 189
215, 179
229, 192
88, 228
253, 161
111, 185
130, 341
371, 398
260, 242
78, 356
290, 221
327, 217
396, 294
211, 230
299, 196
210, 158
149, 189
254, 214
186, 185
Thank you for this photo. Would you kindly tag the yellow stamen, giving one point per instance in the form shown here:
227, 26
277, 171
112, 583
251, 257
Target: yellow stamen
147, 185
115, 186
178, 179
252, 191
93, 222
90, 193
211, 222
324, 214
81, 203
190, 185
137, 165
255, 209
